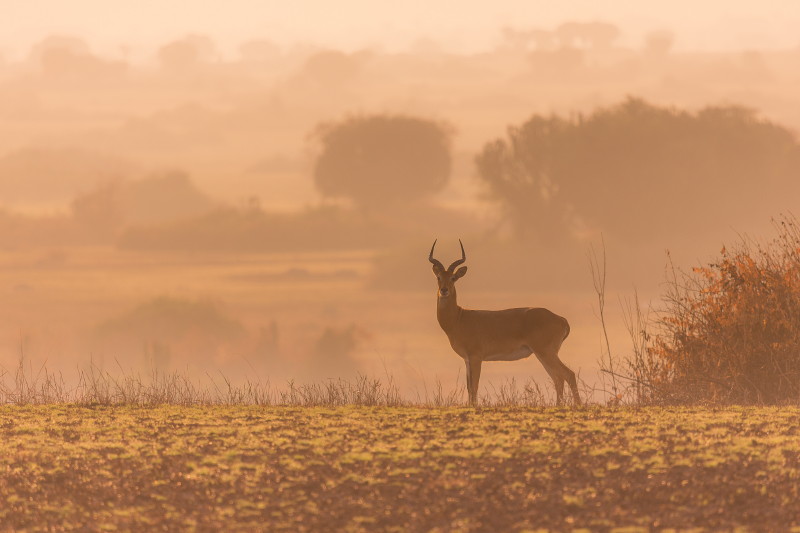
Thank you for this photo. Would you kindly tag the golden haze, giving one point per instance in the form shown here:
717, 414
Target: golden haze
163, 203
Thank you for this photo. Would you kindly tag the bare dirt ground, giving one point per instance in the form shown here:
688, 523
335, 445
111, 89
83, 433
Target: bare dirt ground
404, 469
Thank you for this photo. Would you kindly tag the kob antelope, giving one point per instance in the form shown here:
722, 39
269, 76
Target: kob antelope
506, 335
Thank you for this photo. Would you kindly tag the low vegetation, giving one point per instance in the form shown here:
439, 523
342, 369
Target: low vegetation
727, 332
27, 385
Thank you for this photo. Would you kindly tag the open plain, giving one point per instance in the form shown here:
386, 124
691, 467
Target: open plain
284, 468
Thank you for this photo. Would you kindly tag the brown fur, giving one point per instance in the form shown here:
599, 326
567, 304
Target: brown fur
506, 335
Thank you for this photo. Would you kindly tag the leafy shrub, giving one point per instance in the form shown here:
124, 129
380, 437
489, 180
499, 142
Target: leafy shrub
730, 330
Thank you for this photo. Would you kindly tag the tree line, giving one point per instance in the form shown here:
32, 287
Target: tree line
635, 170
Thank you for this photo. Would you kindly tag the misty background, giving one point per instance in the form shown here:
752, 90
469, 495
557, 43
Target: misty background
257, 199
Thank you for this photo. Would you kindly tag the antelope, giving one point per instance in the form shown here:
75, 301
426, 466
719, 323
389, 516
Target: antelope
507, 335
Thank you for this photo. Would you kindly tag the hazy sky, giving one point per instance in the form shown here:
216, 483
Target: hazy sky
460, 25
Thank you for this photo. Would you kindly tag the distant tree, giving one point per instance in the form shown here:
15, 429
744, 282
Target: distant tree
259, 51
331, 67
596, 35
186, 53
334, 352
382, 159
569, 35
155, 199
520, 40
558, 64
542, 39
65, 58
98, 211
635, 170
657, 44
166, 327
162, 197
67, 43
601, 35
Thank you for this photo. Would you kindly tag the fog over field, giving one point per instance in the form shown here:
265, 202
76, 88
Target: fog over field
254, 193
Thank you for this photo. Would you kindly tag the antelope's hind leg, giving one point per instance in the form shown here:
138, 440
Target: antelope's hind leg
559, 373
555, 374
573, 382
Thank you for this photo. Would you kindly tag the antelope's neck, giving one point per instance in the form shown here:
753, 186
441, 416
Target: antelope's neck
447, 312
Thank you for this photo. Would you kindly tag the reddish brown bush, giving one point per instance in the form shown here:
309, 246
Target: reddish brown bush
729, 331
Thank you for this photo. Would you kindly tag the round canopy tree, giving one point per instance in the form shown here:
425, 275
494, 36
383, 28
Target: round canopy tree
381, 159
640, 171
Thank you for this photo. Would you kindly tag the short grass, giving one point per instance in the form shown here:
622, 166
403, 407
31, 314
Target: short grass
285, 468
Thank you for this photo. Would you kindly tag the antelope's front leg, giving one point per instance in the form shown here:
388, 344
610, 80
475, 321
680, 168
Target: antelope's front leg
473, 376
468, 379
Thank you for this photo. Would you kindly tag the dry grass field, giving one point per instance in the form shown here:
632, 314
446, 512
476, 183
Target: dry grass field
283, 468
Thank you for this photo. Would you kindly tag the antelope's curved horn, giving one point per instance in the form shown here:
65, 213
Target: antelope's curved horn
459, 261
432, 260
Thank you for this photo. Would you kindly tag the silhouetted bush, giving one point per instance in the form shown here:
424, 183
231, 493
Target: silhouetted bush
186, 53
161, 197
331, 67
166, 317
162, 326
640, 172
333, 353
730, 330
378, 161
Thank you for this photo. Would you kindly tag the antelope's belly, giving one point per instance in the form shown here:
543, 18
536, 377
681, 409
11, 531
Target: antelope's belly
520, 353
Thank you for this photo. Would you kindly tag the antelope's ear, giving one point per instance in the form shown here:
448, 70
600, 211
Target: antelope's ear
459, 273
437, 269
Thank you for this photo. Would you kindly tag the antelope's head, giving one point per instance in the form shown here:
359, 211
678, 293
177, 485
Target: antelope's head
447, 278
